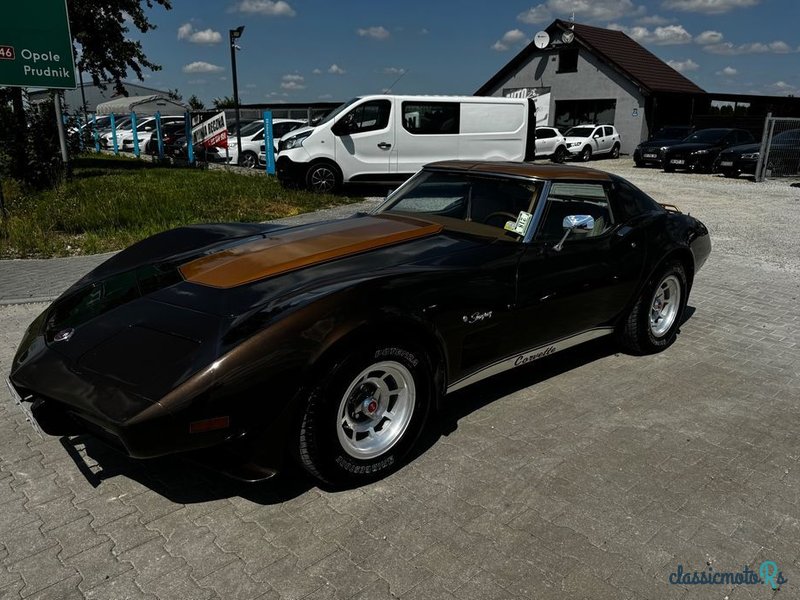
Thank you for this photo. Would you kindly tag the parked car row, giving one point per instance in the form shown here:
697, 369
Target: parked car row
729, 151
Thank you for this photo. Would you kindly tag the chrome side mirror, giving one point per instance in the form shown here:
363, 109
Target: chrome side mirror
574, 224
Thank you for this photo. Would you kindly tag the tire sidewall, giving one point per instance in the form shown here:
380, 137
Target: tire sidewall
329, 460
337, 178
651, 342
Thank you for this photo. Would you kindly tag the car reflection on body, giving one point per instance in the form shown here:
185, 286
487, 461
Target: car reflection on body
334, 343
784, 157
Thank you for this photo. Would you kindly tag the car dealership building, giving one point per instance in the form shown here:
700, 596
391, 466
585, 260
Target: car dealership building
588, 74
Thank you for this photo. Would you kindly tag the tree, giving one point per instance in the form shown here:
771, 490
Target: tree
174, 95
100, 30
224, 102
195, 103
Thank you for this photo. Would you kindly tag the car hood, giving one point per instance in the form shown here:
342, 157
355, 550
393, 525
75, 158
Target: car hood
693, 147
658, 143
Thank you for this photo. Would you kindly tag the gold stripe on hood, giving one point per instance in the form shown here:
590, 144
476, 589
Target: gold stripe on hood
297, 248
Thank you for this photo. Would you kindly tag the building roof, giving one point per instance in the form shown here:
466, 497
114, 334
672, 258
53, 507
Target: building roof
616, 49
144, 105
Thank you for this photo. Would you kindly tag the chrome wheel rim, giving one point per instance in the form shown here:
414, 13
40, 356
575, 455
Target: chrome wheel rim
323, 179
664, 306
376, 409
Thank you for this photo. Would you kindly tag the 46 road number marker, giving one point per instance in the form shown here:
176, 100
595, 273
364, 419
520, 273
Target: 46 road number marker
7, 53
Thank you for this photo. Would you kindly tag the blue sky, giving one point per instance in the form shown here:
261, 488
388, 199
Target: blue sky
310, 50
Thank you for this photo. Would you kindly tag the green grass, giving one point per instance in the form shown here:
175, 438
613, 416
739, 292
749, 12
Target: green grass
111, 202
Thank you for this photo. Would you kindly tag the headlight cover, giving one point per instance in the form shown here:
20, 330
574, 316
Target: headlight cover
751, 156
294, 142
700, 152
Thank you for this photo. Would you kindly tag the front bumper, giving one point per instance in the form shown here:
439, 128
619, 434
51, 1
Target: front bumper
289, 171
688, 162
734, 165
648, 156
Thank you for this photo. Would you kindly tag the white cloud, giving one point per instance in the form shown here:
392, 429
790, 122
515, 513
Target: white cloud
709, 37
270, 8
205, 36
710, 7
653, 20
376, 33
201, 67
662, 36
251, 86
683, 66
317, 71
293, 82
600, 10
729, 49
424, 31
728, 72
511, 38
781, 87
537, 14
335, 69
197, 81
394, 70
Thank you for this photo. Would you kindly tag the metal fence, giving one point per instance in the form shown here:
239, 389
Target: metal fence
779, 155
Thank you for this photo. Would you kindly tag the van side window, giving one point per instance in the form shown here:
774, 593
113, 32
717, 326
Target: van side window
431, 118
370, 116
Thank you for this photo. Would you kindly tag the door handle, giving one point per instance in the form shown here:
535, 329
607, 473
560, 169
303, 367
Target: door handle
384, 146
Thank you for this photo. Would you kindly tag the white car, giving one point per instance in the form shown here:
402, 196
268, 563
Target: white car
585, 141
253, 138
551, 144
145, 126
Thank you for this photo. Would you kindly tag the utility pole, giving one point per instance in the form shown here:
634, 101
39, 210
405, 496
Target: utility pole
235, 34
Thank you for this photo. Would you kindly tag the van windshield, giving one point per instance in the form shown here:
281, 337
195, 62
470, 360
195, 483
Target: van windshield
333, 114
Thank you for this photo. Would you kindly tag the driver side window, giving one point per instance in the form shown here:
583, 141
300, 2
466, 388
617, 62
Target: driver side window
370, 116
567, 199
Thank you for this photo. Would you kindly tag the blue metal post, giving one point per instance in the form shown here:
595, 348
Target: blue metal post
114, 133
95, 134
269, 143
189, 143
135, 135
159, 137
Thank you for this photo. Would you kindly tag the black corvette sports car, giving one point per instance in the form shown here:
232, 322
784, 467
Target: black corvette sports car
333, 343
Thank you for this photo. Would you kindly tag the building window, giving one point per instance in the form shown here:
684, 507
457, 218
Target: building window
577, 112
568, 60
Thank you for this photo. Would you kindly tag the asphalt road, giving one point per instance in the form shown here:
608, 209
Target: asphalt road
591, 474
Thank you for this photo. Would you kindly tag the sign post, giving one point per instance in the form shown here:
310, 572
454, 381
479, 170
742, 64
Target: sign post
36, 45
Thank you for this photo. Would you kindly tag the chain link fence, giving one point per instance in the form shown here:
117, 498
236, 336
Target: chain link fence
779, 155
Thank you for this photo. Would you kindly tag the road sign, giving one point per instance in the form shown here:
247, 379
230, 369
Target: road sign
36, 45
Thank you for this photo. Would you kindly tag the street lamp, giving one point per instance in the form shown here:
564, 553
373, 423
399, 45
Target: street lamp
235, 34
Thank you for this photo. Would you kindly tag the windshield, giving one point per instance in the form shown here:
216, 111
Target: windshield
333, 114
492, 205
788, 137
707, 136
252, 128
579, 132
671, 133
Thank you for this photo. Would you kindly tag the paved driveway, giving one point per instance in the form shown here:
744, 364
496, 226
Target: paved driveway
588, 475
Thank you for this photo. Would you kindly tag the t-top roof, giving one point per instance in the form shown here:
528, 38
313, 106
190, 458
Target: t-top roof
615, 48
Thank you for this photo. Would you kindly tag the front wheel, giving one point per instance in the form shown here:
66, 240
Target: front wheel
586, 154
249, 160
653, 322
560, 155
365, 415
323, 178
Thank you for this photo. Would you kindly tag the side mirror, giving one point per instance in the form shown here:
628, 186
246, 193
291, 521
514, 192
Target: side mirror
574, 224
596, 136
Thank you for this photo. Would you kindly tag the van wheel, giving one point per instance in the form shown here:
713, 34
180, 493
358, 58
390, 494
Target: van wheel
615, 151
323, 177
560, 155
586, 154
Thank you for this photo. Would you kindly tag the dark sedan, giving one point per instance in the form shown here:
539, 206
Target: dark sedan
699, 151
651, 151
334, 343
784, 157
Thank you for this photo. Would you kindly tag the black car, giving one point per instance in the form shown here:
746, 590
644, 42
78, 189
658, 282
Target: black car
170, 132
334, 343
651, 151
699, 151
784, 156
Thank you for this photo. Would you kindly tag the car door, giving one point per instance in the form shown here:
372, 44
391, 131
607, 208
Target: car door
597, 141
363, 139
545, 138
573, 293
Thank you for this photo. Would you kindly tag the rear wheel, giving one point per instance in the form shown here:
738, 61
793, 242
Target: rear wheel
560, 155
365, 414
586, 154
323, 177
615, 151
653, 322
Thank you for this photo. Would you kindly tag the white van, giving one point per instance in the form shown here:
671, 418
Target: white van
389, 138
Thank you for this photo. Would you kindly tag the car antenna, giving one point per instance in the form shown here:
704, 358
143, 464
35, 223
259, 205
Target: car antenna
403, 74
